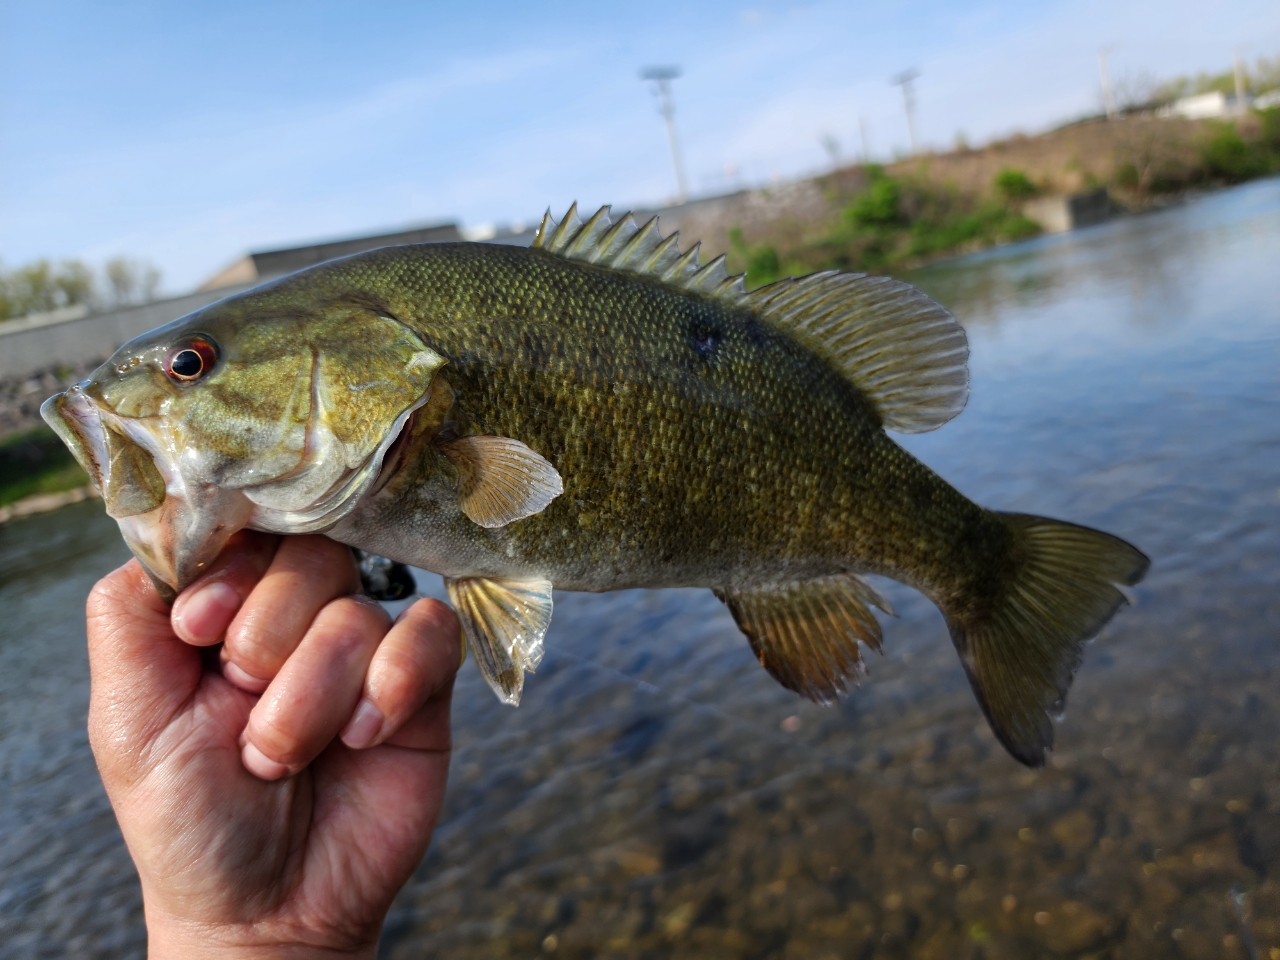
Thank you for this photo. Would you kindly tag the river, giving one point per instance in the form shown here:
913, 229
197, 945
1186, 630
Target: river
657, 794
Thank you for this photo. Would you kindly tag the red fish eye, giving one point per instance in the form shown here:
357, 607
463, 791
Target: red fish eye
190, 360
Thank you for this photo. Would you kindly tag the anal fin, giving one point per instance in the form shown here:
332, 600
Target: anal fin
504, 622
806, 634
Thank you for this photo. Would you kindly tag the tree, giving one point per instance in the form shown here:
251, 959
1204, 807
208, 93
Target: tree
131, 281
39, 286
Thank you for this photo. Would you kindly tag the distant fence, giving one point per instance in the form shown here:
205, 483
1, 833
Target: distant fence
68, 338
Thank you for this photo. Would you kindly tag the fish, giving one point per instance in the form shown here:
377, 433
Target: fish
600, 411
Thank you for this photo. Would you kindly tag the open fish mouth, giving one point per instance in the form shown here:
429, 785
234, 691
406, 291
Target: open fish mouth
122, 470
174, 528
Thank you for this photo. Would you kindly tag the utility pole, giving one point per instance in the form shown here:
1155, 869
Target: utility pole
662, 77
866, 139
1238, 66
1104, 74
906, 80
832, 146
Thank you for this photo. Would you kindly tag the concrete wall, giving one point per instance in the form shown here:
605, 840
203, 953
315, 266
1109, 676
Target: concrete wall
31, 344
1059, 214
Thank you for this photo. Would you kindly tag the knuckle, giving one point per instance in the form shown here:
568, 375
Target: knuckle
108, 594
356, 613
252, 653
396, 677
322, 560
278, 744
436, 616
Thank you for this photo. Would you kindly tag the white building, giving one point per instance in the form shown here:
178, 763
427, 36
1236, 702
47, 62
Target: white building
1200, 107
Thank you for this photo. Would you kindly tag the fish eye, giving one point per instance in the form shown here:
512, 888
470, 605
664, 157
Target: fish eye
190, 360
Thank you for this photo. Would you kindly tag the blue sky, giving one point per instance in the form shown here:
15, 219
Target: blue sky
188, 133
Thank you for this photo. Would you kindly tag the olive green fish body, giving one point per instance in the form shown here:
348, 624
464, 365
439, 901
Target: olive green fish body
698, 446
599, 412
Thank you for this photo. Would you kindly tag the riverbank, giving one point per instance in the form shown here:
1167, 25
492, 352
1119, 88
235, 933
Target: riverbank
896, 217
35, 464
44, 502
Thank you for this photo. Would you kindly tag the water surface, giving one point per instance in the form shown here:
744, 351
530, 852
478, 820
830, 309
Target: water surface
657, 794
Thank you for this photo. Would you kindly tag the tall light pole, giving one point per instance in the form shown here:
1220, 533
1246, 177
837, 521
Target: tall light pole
1242, 105
1104, 75
662, 77
905, 80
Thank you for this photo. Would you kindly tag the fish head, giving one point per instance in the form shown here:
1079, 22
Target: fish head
262, 411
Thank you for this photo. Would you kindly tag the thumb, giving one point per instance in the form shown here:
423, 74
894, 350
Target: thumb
141, 674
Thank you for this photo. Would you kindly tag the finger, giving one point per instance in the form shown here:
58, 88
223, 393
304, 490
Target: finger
204, 610
419, 656
428, 729
141, 673
305, 574
313, 694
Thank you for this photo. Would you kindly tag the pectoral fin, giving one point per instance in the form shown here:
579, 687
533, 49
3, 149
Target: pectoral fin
504, 622
806, 634
501, 480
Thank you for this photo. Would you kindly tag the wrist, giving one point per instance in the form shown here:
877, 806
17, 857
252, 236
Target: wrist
182, 940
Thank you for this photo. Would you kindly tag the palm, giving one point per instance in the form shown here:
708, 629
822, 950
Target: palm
322, 851
336, 840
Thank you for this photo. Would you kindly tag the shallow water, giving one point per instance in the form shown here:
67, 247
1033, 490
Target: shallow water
652, 798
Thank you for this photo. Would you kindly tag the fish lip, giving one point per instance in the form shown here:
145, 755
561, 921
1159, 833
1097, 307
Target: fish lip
77, 421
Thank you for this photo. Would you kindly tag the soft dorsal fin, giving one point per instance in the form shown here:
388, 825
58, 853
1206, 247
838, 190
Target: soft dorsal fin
904, 351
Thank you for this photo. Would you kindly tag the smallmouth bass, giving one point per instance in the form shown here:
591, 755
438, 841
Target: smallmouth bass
598, 412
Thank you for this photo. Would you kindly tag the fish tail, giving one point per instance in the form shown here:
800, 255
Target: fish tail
1022, 645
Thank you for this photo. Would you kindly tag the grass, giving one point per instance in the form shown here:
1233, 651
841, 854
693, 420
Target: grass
36, 461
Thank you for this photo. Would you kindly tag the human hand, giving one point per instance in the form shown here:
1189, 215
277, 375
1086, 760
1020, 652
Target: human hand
274, 793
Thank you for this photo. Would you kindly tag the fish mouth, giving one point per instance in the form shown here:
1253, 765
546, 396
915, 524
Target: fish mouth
174, 528
73, 419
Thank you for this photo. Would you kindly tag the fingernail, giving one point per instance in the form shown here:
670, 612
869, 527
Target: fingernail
257, 763
203, 617
245, 681
364, 726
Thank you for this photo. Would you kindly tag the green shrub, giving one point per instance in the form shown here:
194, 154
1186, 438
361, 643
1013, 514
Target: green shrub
1127, 176
36, 462
762, 263
1018, 227
1226, 156
1014, 185
1270, 128
878, 205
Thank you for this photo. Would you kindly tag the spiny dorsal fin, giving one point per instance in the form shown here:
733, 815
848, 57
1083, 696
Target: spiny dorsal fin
624, 246
904, 351
806, 634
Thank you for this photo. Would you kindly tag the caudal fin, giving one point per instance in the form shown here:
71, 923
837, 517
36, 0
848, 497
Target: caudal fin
1022, 651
